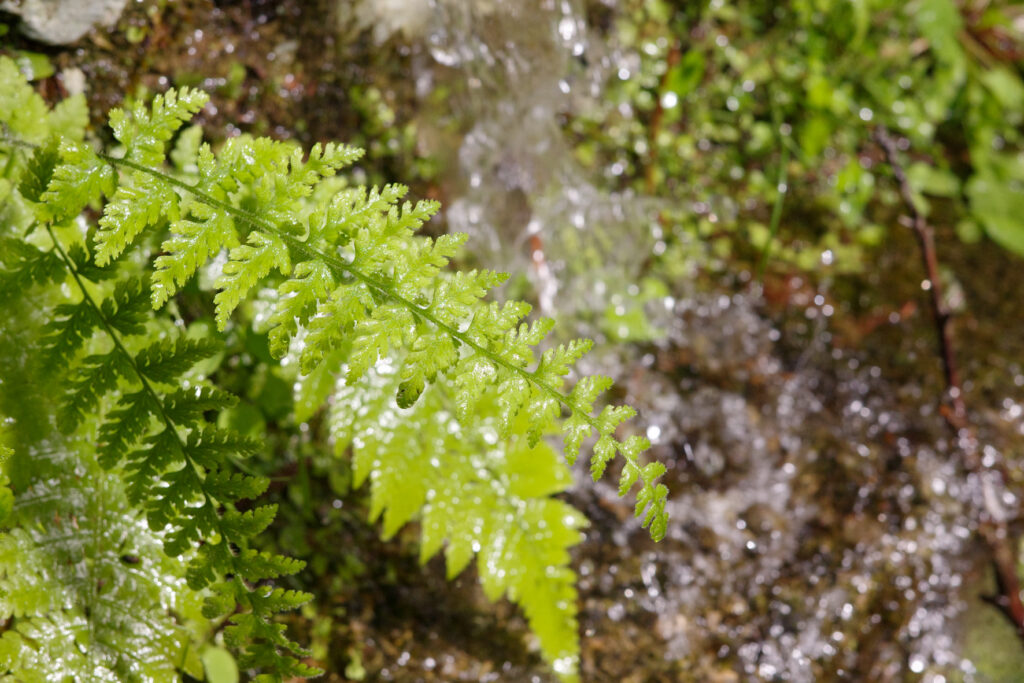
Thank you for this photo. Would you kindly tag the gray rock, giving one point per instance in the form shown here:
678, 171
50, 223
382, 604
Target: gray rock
59, 22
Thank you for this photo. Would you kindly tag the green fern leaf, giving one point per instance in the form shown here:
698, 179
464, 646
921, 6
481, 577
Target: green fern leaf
334, 318
271, 600
83, 264
166, 360
97, 376
26, 266
226, 485
73, 553
24, 113
145, 133
162, 456
455, 297
372, 298
578, 427
81, 179
249, 523
125, 311
474, 496
208, 445
430, 354
385, 329
125, 425
72, 326
367, 238
276, 193
39, 171
191, 244
133, 208
299, 298
146, 465
256, 566
178, 479
248, 264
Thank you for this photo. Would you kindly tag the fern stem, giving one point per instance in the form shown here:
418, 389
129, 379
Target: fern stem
340, 268
147, 387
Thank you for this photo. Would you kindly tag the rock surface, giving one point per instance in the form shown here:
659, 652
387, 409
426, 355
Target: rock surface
60, 22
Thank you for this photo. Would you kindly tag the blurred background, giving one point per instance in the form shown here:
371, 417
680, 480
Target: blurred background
796, 231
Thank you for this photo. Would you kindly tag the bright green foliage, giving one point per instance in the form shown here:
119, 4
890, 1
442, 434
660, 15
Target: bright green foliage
362, 279
756, 118
130, 390
81, 180
89, 590
145, 134
455, 379
26, 266
474, 493
174, 464
26, 117
6, 495
85, 590
145, 131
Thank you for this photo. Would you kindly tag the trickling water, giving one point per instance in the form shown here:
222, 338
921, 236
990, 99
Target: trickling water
822, 527
512, 71
817, 530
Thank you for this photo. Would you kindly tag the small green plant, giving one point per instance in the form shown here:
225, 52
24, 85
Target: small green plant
438, 395
757, 119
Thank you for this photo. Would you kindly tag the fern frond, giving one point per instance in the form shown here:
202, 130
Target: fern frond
131, 209
24, 114
194, 241
148, 200
29, 139
80, 179
311, 284
78, 608
71, 327
249, 264
85, 591
475, 495
209, 445
368, 284
166, 360
357, 289
71, 606
173, 462
39, 171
